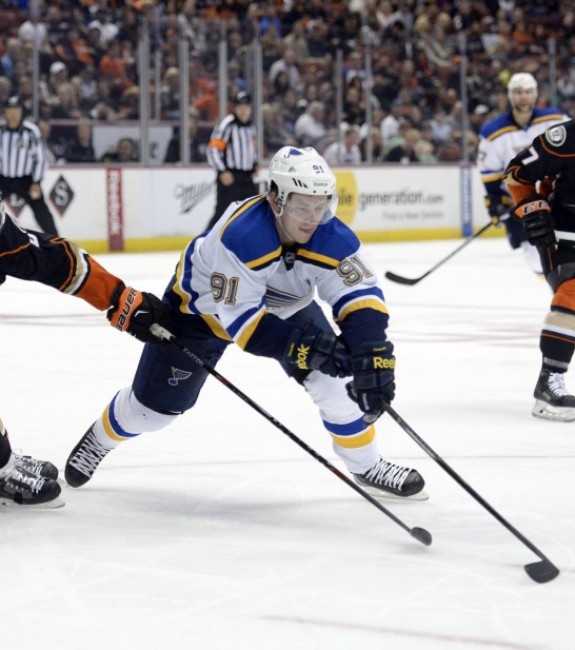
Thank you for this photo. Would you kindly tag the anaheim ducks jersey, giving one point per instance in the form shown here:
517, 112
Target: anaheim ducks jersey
501, 139
244, 284
53, 261
550, 156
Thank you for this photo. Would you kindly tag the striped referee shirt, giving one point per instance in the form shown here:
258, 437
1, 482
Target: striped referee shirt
232, 146
22, 151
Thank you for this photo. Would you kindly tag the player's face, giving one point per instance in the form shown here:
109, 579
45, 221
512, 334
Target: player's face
523, 99
301, 216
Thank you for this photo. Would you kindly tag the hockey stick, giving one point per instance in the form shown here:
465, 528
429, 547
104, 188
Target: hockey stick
420, 534
411, 281
543, 571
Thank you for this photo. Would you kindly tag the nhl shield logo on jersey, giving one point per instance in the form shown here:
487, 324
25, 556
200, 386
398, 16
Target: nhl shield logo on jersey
556, 135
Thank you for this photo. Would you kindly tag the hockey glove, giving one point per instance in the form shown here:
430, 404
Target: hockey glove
373, 379
135, 311
311, 348
498, 208
535, 215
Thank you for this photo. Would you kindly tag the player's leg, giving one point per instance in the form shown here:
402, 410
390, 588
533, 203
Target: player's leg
353, 440
553, 401
166, 384
20, 486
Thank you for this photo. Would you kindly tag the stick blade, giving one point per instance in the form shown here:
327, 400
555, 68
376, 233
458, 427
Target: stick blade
542, 572
400, 279
422, 535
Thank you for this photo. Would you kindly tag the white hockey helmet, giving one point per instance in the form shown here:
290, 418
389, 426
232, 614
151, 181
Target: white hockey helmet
521, 80
302, 171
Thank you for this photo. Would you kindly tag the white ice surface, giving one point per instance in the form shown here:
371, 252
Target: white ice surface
221, 533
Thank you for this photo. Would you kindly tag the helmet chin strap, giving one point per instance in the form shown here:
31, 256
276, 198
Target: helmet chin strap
278, 216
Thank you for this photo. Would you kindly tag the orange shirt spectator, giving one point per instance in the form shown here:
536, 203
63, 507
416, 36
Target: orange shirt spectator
112, 65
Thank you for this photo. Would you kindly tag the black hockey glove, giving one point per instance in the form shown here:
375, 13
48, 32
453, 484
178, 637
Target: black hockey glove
498, 208
311, 348
135, 311
373, 382
535, 215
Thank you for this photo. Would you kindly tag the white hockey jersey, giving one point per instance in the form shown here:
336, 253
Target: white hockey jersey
244, 284
501, 139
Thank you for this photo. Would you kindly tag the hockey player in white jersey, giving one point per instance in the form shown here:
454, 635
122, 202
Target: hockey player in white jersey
251, 280
501, 139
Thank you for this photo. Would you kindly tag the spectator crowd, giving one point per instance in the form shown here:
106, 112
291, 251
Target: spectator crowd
408, 108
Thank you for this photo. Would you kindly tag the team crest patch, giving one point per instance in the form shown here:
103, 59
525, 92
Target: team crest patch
556, 135
178, 376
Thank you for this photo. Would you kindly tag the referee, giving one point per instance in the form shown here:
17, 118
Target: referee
232, 154
22, 162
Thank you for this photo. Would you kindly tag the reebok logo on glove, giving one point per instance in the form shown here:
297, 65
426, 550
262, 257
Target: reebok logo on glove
383, 363
302, 356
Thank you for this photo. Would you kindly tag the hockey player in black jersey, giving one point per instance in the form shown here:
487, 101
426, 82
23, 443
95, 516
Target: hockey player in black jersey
252, 280
60, 264
541, 180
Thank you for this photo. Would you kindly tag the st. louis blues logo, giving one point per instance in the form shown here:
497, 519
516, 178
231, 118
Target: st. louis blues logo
178, 375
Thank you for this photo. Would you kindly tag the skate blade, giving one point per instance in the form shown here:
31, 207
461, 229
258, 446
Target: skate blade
379, 495
557, 413
49, 505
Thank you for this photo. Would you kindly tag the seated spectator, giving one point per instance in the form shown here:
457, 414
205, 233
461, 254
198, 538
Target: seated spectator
9, 58
197, 149
207, 102
288, 65
310, 129
5, 91
86, 86
296, 40
80, 148
65, 107
346, 152
129, 108
441, 127
106, 107
52, 152
424, 152
404, 151
107, 27
112, 64
74, 50
57, 75
126, 152
170, 94
276, 133
376, 146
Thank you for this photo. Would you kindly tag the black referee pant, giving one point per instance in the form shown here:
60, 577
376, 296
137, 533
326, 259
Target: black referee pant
21, 187
242, 188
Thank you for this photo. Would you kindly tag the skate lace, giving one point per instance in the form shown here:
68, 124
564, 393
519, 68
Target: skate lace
556, 384
388, 474
89, 455
23, 481
28, 463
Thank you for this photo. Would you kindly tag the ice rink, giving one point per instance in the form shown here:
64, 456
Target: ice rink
221, 533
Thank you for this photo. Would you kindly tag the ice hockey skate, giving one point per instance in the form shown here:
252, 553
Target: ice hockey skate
552, 399
19, 487
40, 467
84, 459
387, 480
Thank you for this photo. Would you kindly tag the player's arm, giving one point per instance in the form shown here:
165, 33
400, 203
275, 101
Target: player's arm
61, 264
542, 160
491, 165
360, 310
